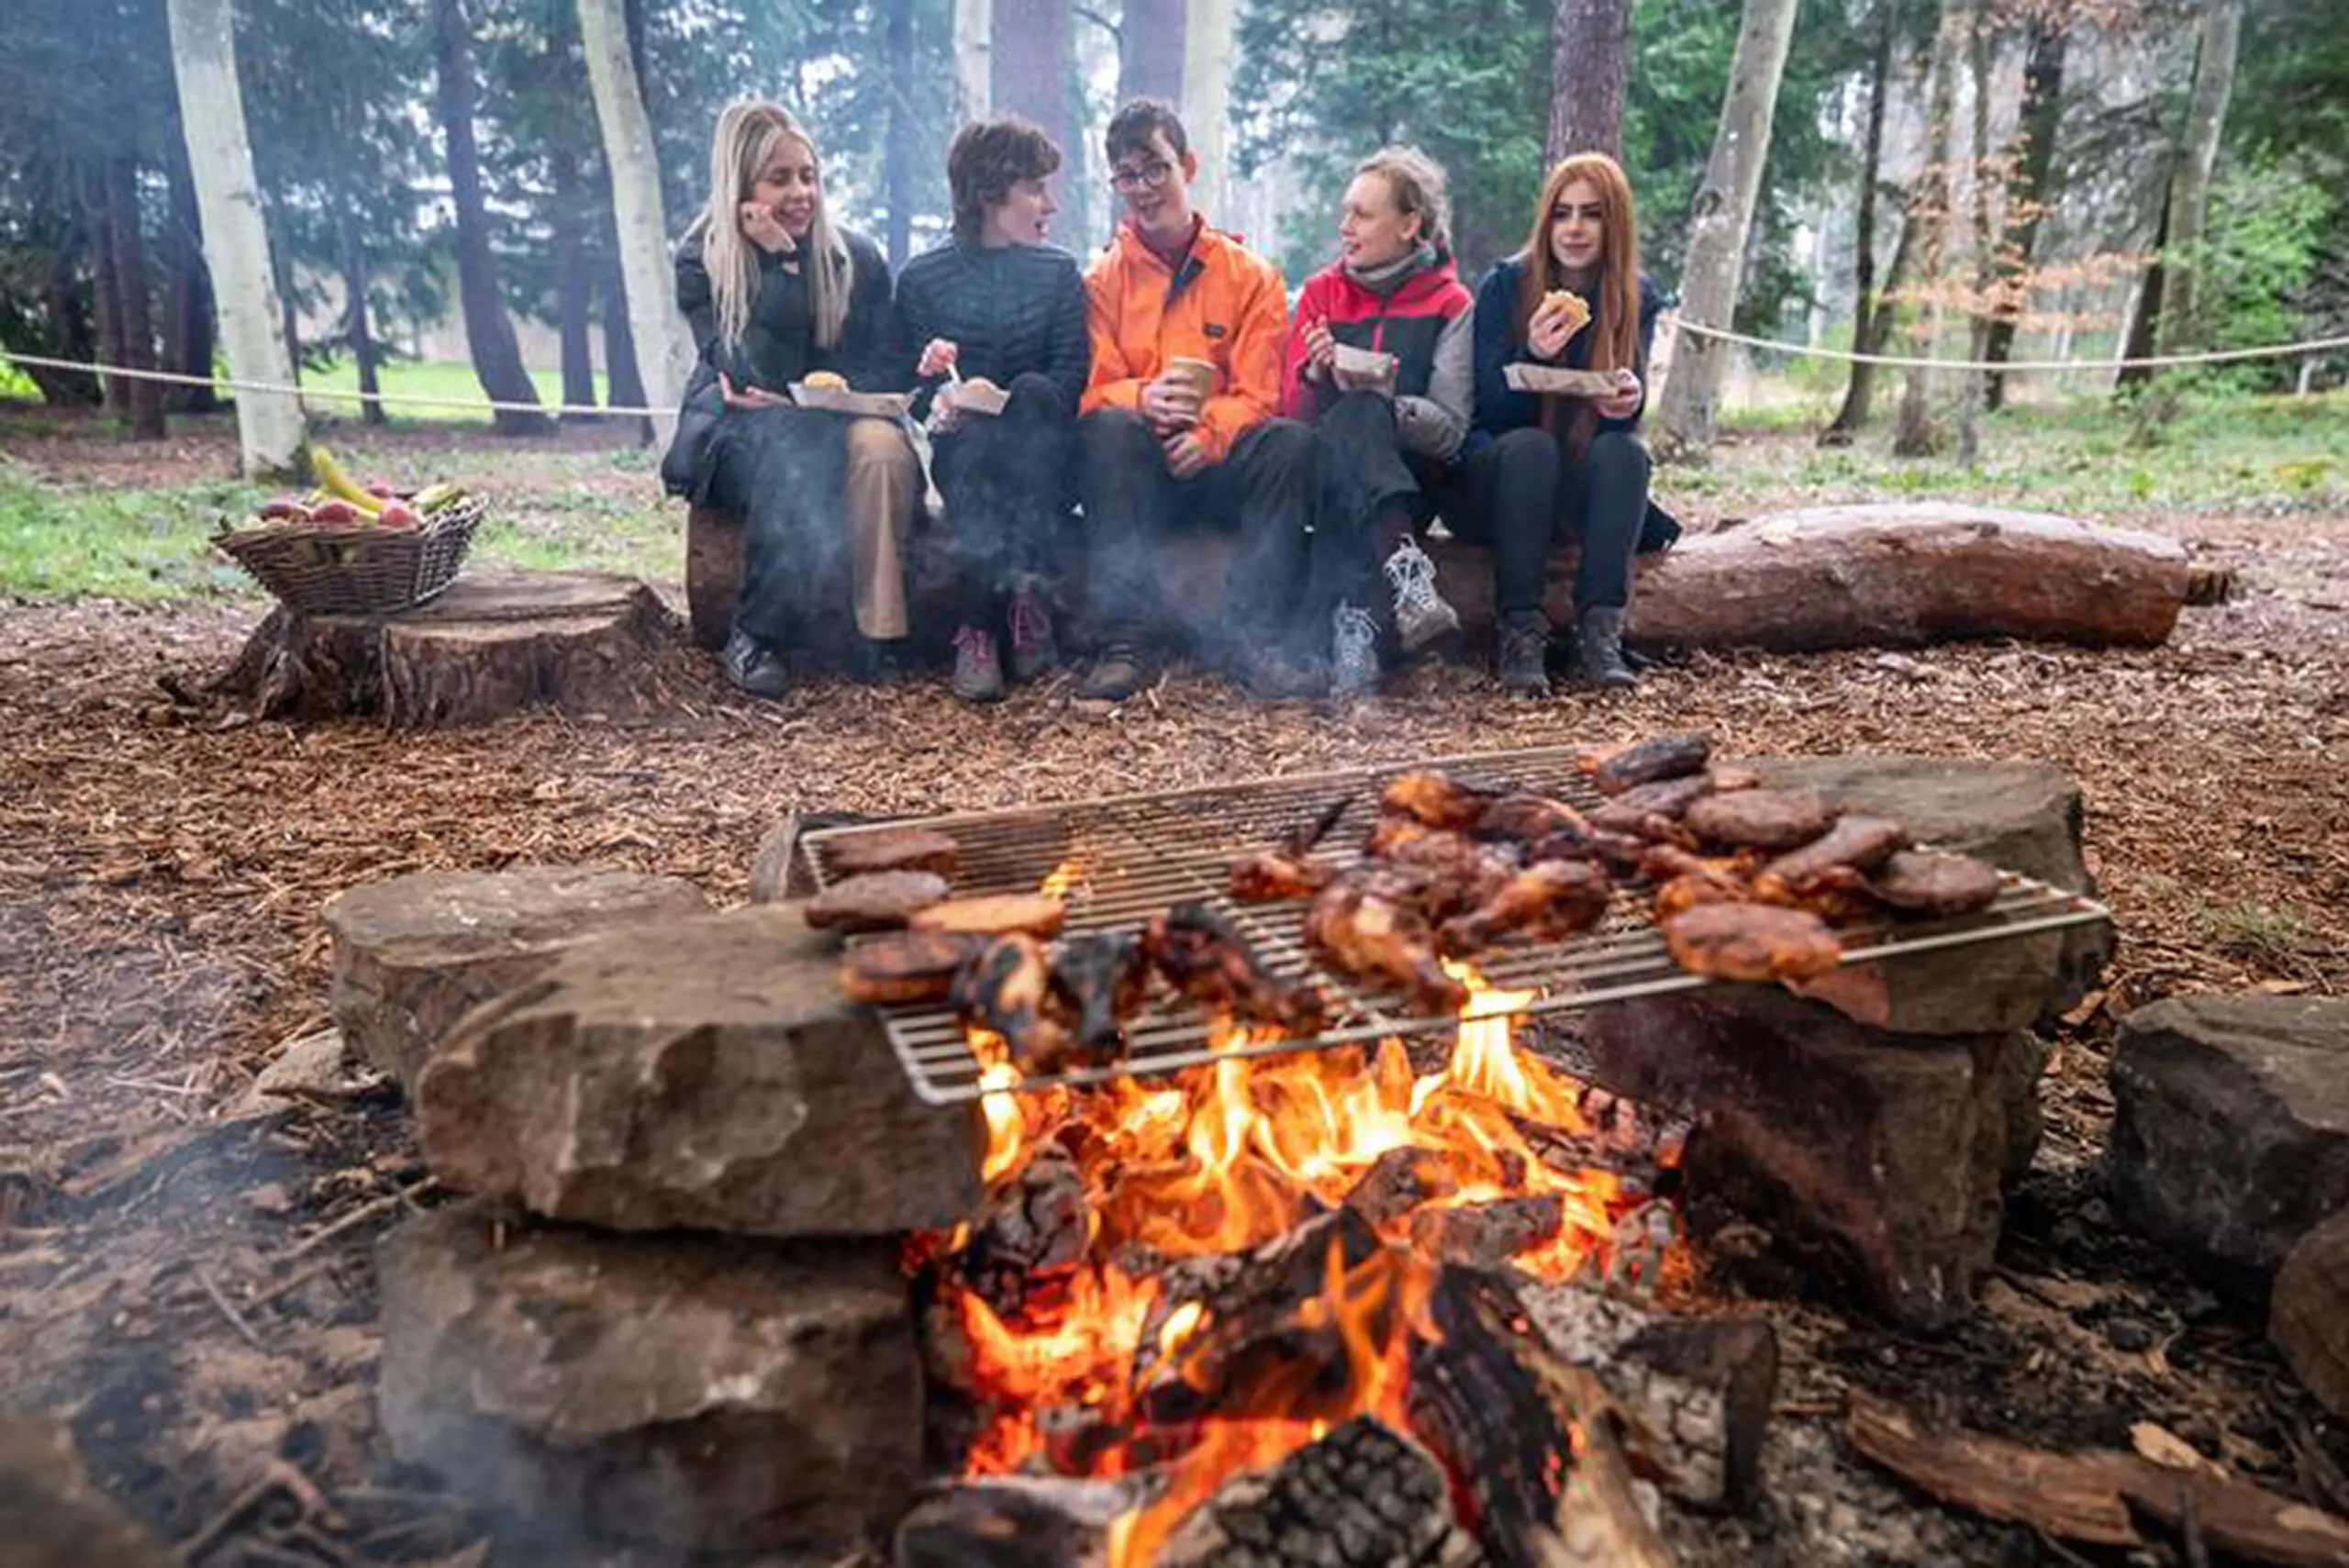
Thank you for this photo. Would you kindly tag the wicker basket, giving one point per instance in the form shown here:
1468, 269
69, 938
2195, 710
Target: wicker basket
356, 569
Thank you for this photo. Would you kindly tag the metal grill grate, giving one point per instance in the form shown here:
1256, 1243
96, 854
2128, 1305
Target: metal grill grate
1124, 858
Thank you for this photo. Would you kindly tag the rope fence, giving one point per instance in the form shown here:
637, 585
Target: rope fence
1720, 334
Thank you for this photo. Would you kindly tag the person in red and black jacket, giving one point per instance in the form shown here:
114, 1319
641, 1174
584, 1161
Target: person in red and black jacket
1388, 428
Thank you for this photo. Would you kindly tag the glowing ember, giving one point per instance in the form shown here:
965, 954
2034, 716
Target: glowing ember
1231, 1156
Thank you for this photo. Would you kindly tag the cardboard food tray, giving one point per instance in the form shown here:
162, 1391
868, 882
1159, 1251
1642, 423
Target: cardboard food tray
980, 397
863, 404
1555, 379
1363, 361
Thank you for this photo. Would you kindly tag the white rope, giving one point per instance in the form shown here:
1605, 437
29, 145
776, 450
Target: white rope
1910, 362
405, 400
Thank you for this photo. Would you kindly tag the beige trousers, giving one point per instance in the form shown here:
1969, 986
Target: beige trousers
883, 486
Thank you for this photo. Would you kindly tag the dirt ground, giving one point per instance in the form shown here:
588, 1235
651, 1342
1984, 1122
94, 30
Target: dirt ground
194, 1294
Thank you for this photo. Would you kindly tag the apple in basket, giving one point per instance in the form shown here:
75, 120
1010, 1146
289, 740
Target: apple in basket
338, 513
285, 509
398, 514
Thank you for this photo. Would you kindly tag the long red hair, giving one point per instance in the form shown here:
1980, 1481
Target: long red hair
1615, 313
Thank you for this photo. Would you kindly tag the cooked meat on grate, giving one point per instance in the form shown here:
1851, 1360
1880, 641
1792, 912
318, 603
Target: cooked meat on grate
1548, 900
1530, 819
1437, 799
1390, 835
1751, 942
1360, 927
1667, 798
1619, 853
1924, 882
996, 915
1444, 874
1727, 778
914, 966
1008, 987
1666, 757
1204, 957
1760, 819
1103, 977
1861, 842
895, 849
877, 901
1270, 876
1686, 880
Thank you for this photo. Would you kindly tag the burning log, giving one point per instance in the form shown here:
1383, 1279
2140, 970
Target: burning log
1486, 1235
1365, 1487
1030, 1236
1012, 1522
1400, 1181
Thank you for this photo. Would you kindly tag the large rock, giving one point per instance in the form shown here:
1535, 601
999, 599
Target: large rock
2308, 1318
415, 954
2231, 1128
2021, 816
693, 1392
1884, 1157
51, 1516
705, 1072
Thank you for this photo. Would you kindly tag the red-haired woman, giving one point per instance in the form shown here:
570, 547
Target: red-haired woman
1537, 461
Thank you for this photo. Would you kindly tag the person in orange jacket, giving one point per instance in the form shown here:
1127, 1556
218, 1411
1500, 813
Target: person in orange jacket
1179, 428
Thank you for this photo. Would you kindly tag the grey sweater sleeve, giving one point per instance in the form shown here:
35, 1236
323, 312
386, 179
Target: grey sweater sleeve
1435, 425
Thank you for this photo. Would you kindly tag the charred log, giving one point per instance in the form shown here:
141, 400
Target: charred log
1486, 1235
1011, 1522
1363, 1496
1031, 1238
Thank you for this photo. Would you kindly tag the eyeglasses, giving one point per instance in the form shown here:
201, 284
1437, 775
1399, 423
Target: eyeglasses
1148, 177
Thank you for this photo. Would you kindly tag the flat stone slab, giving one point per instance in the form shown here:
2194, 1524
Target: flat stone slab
2021, 816
689, 1391
702, 1072
2231, 1128
413, 955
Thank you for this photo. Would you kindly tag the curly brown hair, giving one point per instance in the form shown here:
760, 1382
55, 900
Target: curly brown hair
986, 159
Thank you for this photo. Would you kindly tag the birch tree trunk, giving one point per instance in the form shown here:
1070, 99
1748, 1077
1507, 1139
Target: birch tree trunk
1207, 98
1854, 411
270, 432
2189, 191
1929, 212
1723, 220
489, 330
974, 58
1590, 61
1150, 51
654, 323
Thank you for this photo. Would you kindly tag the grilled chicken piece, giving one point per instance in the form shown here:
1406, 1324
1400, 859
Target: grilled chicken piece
1686, 880
1436, 799
1388, 835
1760, 819
1008, 987
1619, 853
1270, 876
1929, 884
1666, 757
895, 849
917, 966
1862, 843
1751, 942
877, 901
1204, 957
1666, 798
1530, 820
1102, 977
1549, 900
1443, 875
1360, 926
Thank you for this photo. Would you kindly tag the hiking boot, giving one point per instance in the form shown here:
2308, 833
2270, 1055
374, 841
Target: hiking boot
1525, 636
1599, 650
1354, 661
879, 660
1421, 615
1119, 670
755, 668
979, 674
1033, 649
1274, 674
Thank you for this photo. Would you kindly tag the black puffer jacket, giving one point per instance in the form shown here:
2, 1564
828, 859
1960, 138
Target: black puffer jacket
1009, 311
777, 347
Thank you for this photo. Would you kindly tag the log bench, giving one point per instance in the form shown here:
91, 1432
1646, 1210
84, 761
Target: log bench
1891, 575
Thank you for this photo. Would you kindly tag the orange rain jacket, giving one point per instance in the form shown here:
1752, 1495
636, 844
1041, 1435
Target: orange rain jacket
1229, 308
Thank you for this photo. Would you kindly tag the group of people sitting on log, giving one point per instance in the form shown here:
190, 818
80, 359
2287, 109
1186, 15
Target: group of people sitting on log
1167, 388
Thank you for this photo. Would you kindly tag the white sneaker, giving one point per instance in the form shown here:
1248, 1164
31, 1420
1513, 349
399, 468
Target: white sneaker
1354, 661
1421, 615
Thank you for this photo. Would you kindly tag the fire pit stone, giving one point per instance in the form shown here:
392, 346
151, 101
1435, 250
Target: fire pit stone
705, 1072
684, 1391
52, 1515
415, 954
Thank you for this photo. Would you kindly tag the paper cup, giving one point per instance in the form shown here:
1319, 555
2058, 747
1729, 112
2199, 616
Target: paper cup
1200, 373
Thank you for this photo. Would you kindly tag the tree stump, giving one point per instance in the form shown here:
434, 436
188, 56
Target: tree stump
494, 644
413, 955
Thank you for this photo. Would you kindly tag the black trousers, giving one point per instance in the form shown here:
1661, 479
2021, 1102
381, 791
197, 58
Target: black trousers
1261, 489
1515, 493
786, 470
1362, 478
1008, 485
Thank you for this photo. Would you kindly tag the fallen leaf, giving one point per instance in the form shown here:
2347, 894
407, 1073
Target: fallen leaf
2154, 1441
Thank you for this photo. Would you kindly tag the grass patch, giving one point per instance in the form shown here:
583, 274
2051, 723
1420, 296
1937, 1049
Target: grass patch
2279, 936
69, 543
415, 378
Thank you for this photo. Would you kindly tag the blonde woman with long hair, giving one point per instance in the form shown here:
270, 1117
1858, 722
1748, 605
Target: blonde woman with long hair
776, 293
1573, 299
